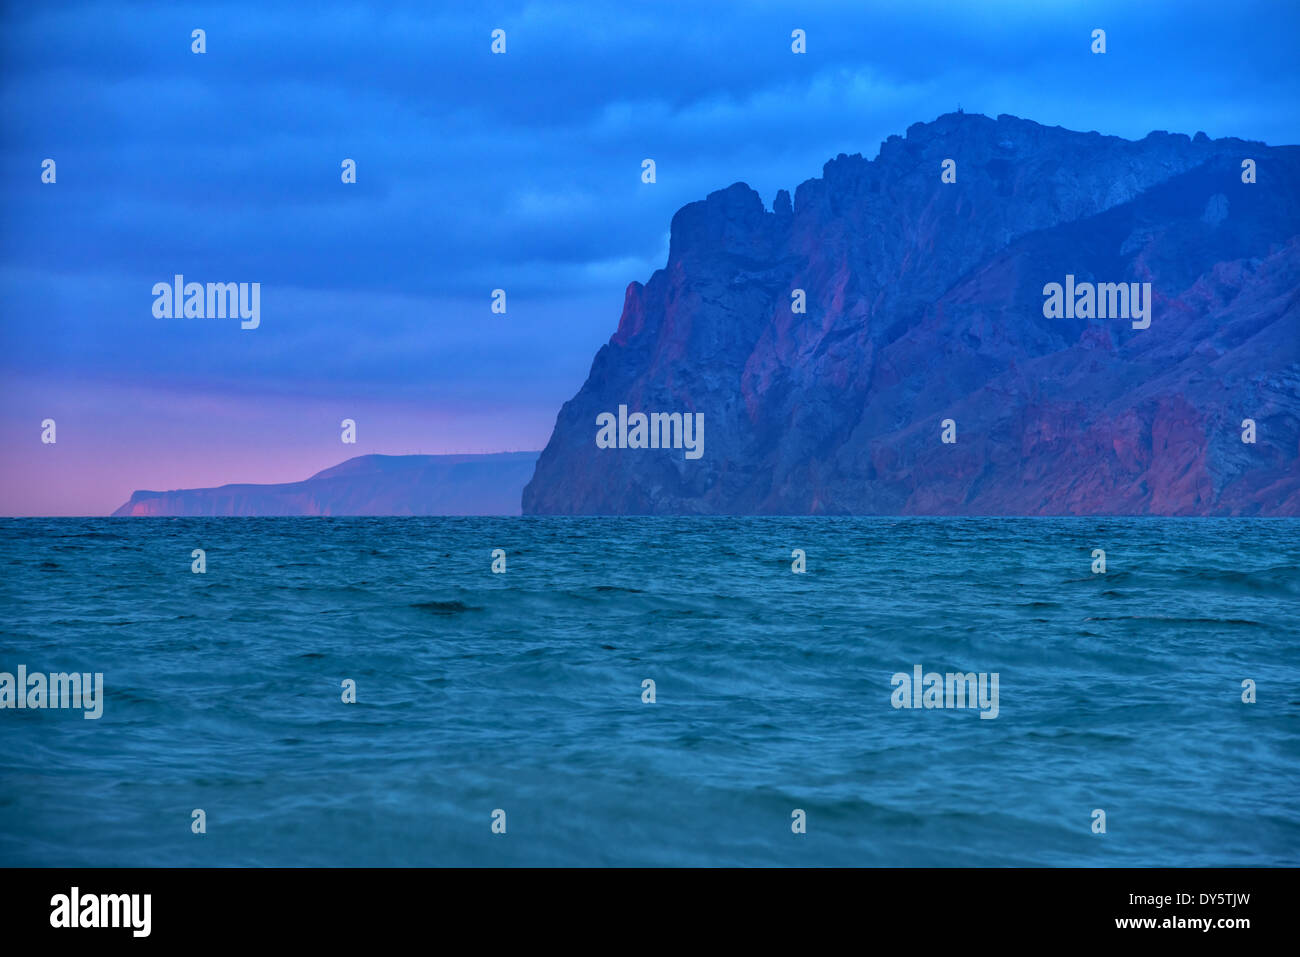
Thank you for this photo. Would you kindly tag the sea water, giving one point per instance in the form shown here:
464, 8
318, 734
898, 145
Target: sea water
525, 692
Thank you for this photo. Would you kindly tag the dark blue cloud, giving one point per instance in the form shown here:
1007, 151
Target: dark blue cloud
519, 171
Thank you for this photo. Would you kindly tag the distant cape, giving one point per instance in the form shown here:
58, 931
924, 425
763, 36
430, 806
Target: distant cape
365, 485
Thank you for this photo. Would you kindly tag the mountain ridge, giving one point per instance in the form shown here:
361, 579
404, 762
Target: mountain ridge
374, 484
924, 303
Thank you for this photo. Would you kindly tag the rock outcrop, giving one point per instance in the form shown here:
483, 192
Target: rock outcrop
925, 303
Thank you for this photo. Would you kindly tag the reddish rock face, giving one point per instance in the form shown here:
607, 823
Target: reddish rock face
925, 303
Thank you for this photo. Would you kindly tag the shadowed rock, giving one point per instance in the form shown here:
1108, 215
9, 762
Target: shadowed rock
925, 302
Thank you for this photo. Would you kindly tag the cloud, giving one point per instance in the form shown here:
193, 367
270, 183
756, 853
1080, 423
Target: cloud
478, 171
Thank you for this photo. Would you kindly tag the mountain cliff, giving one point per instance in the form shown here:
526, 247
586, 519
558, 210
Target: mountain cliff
365, 485
925, 303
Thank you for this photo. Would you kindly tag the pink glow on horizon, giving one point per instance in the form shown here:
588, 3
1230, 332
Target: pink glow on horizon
113, 441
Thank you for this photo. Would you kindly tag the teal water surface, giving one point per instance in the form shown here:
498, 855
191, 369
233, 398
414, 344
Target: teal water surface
523, 692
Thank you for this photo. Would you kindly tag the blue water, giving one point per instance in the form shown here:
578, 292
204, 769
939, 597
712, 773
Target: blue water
523, 692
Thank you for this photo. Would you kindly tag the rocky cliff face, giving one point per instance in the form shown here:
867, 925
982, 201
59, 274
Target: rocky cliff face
365, 485
925, 303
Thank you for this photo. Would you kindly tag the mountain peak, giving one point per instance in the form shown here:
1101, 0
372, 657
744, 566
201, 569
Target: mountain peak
731, 218
924, 301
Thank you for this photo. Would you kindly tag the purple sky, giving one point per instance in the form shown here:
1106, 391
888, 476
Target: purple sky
475, 172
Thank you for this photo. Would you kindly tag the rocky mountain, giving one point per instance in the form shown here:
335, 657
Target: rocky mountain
365, 485
925, 303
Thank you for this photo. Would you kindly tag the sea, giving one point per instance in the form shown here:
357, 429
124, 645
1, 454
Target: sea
653, 692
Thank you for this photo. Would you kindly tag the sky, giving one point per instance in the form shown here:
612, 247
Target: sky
474, 171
